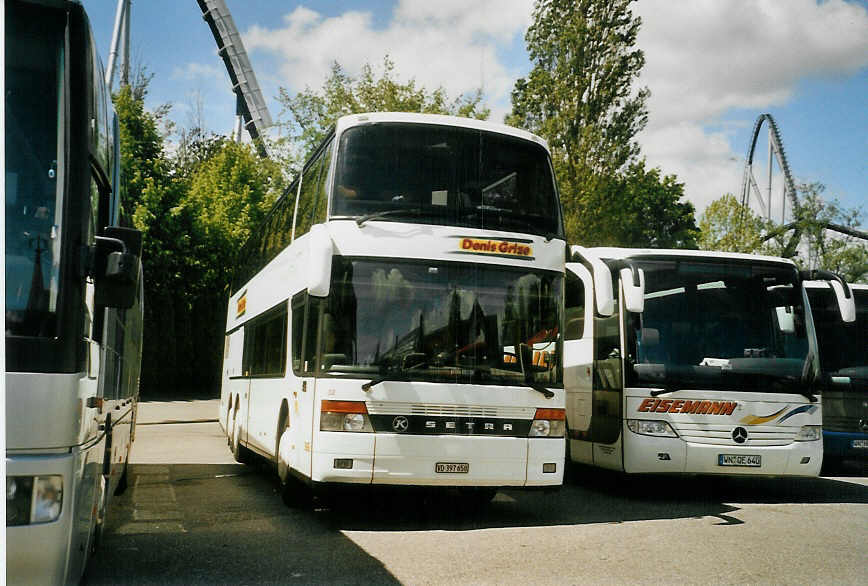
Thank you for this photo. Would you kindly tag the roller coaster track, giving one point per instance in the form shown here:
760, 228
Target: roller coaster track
749, 184
776, 148
250, 103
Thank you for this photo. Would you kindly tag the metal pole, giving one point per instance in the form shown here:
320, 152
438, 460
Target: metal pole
113, 50
771, 147
125, 70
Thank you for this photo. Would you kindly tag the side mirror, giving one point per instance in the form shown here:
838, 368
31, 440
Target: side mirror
603, 294
843, 294
633, 285
118, 266
846, 302
319, 261
786, 319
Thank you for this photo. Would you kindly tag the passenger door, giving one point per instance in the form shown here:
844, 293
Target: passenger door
304, 332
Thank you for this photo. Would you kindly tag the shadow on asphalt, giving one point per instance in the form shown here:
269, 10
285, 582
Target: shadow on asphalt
220, 524
226, 523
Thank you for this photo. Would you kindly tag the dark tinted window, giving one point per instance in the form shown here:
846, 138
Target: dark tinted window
33, 101
445, 175
265, 344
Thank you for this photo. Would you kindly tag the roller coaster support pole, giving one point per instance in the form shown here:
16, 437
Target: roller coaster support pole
120, 33
769, 189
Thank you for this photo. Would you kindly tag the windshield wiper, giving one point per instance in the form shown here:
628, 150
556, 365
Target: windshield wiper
539, 389
664, 390
374, 382
524, 353
385, 213
808, 378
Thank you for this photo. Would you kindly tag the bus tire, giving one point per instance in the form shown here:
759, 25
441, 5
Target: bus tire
239, 452
101, 508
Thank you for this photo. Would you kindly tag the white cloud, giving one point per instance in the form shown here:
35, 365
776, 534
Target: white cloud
704, 58
448, 43
196, 71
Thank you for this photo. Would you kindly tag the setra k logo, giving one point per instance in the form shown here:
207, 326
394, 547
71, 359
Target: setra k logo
400, 423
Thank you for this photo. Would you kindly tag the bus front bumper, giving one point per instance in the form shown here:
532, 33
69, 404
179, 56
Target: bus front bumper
655, 455
394, 459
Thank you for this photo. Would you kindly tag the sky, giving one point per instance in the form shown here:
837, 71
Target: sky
712, 66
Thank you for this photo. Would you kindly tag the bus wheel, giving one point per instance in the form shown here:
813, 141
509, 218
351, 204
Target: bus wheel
478, 497
99, 522
239, 452
293, 492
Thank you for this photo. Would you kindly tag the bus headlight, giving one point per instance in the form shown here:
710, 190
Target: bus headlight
809, 433
345, 416
33, 499
548, 423
651, 427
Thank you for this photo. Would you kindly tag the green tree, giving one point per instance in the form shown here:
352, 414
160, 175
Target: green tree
728, 226
151, 198
579, 96
822, 234
649, 211
229, 193
312, 113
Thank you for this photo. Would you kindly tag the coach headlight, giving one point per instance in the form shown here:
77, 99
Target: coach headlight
345, 416
809, 433
651, 427
548, 423
33, 499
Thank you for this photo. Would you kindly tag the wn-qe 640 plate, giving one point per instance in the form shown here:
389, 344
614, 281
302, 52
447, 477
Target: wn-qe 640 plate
752, 460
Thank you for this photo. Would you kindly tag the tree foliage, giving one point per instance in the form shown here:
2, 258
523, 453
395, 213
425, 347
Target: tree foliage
312, 113
194, 207
639, 208
726, 225
579, 96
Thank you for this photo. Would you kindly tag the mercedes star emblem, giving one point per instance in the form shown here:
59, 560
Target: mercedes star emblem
739, 435
400, 423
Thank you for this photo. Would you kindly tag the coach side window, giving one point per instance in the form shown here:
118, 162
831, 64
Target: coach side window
265, 344
307, 198
297, 331
574, 308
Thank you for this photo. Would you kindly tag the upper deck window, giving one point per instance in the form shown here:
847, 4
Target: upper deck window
445, 175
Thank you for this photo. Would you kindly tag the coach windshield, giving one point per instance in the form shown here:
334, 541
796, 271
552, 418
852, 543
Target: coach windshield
445, 175
728, 325
443, 322
34, 187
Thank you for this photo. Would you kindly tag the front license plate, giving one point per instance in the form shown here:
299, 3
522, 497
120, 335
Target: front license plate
859, 444
739, 460
452, 468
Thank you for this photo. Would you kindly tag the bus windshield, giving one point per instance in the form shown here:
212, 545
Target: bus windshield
445, 175
34, 66
441, 321
724, 325
843, 346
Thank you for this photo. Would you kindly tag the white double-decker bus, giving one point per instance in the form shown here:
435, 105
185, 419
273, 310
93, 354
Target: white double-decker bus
681, 361
73, 295
396, 318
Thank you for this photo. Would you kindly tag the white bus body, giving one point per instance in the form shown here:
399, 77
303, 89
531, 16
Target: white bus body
73, 296
386, 336
844, 364
681, 361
